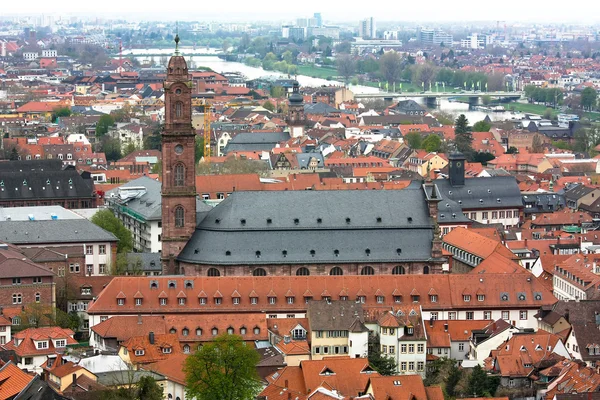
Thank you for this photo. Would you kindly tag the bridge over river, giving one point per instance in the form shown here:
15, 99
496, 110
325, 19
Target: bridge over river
432, 98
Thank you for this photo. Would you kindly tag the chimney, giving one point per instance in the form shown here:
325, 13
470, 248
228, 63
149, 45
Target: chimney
431, 322
286, 383
74, 383
567, 315
446, 327
286, 339
525, 242
151, 337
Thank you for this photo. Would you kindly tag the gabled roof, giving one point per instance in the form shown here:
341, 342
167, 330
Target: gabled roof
13, 380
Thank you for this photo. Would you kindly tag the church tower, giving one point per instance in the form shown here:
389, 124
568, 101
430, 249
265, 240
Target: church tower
295, 118
178, 158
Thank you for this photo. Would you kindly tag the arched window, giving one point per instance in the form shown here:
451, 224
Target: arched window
213, 272
336, 271
259, 272
37, 297
302, 271
398, 270
368, 270
179, 175
426, 269
178, 109
179, 217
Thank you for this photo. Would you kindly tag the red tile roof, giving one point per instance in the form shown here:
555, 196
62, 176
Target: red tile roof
12, 380
26, 338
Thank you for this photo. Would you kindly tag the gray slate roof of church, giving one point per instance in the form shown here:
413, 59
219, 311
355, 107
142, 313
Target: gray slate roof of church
148, 205
300, 227
482, 193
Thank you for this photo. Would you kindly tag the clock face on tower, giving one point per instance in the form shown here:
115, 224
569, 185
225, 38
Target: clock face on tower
458, 164
178, 149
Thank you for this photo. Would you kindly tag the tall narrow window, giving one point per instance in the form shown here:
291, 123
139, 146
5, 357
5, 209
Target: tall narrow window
179, 175
178, 109
179, 217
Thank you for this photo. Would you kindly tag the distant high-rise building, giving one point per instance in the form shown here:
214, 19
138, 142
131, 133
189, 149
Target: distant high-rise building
319, 20
434, 37
367, 28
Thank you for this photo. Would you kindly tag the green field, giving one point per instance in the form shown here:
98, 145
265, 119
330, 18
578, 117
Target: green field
317, 72
530, 108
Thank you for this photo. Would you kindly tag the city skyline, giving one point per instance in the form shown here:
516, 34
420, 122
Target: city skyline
465, 10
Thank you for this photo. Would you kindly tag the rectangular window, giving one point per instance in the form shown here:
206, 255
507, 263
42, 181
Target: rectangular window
102, 269
433, 298
522, 315
494, 214
89, 249
487, 315
42, 345
466, 298
502, 214
484, 215
16, 281
434, 315
102, 249
392, 331
505, 315
290, 300
403, 348
509, 214
470, 315
480, 297
163, 302
138, 302
461, 347
411, 365
392, 349
74, 268
403, 366
120, 301
384, 349
411, 348
420, 366
420, 348
61, 271
452, 315
89, 268
37, 279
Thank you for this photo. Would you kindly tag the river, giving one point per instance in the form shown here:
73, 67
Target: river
212, 61
219, 65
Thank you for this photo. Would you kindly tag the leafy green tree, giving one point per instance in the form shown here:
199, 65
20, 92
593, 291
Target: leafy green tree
145, 388
561, 144
482, 157
463, 139
432, 143
277, 92
414, 140
390, 65
14, 154
269, 61
346, 66
288, 57
478, 385
60, 112
536, 144
382, 363
224, 369
111, 148
512, 150
199, 151
269, 106
106, 220
589, 98
454, 377
105, 122
482, 126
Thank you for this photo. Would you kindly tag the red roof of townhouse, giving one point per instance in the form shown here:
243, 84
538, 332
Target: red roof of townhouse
29, 336
40, 106
358, 161
486, 143
476, 244
14, 380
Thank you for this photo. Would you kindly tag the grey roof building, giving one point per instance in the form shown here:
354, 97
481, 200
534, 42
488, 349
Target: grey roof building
255, 141
315, 228
536, 203
53, 231
45, 182
335, 315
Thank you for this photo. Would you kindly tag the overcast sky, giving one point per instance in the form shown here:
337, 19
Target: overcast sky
574, 11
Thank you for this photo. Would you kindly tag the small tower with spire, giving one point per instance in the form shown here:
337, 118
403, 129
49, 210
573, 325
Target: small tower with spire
295, 118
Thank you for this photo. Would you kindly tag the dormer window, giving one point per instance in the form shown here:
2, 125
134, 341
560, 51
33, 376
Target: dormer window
307, 299
218, 300
198, 331
185, 331
397, 299
253, 300
236, 300
42, 344
138, 302
379, 299
480, 297
120, 302
215, 331
163, 302
361, 299
139, 352
433, 298
466, 298
415, 298
166, 350
181, 301
86, 291
202, 301
272, 300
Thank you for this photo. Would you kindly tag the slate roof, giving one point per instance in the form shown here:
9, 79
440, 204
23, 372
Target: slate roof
578, 192
147, 205
482, 193
319, 108
309, 226
255, 141
304, 159
150, 262
543, 202
38, 232
42, 179
584, 323
335, 315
